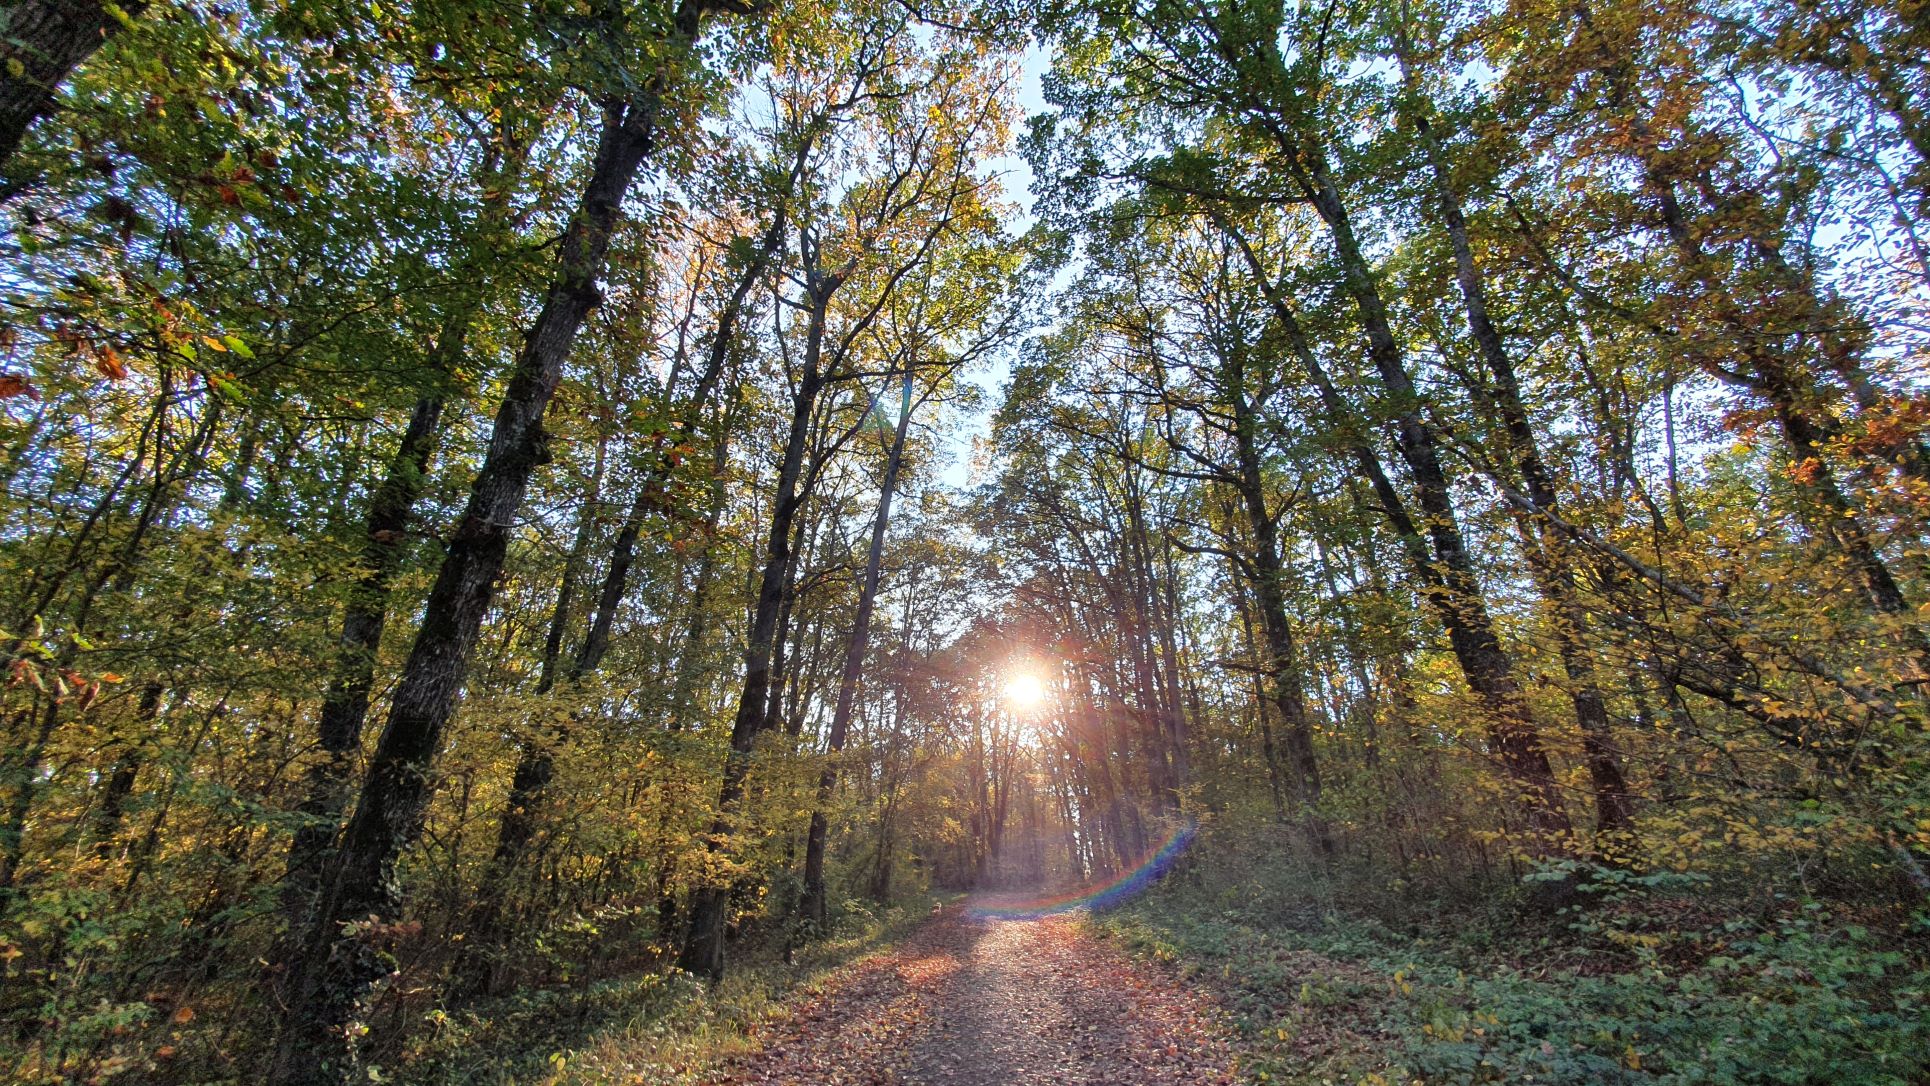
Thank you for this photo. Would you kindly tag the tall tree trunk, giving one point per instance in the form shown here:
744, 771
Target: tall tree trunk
127, 769
813, 906
786, 643
616, 576
703, 950
1166, 620
536, 758
586, 524
690, 655
1282, 666
1443, 569
1262, 693
1550, 551
1802, 404
332, 970
19, 771
345, 705
1136, 574
1489, 671
893, 766
1802, 413
697, 616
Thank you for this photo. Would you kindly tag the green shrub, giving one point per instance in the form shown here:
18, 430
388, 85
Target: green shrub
1650, 978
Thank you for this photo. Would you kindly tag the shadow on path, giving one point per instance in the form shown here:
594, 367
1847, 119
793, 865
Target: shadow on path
994, 1002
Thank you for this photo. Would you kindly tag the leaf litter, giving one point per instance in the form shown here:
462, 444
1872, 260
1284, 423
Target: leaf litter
994, 1002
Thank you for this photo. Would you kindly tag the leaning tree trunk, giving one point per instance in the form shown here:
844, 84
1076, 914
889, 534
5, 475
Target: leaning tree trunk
812, 907
119, 787
332, 971
1809, 429
1443, 568
891, 769
1549, 551
345, 705
1802, 404
1489, 671
696, 611
690, 655
1447, 575
535, 761
623, 553
43, 42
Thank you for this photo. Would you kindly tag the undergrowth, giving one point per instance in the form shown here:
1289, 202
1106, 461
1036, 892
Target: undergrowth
1634, 979
652, 1029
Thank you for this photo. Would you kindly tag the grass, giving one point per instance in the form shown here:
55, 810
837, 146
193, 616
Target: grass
654, 1029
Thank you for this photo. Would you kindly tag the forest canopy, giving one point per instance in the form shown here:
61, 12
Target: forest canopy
516, 514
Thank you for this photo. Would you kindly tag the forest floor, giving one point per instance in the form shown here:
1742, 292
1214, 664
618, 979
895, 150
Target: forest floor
1253, 974
969, 1000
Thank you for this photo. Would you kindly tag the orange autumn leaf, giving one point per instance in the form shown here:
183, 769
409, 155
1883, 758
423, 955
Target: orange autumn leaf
108, 361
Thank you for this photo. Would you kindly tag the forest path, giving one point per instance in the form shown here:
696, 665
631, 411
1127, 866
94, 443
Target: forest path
971, 1001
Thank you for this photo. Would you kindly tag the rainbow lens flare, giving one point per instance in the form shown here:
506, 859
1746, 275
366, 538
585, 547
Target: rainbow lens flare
1148, 869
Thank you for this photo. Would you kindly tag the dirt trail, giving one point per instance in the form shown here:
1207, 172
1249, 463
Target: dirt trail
994, 1002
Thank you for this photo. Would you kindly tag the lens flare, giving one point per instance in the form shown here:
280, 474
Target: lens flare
1149, 868
1024, 691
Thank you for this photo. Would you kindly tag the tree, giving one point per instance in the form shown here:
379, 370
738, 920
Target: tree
45, 40
330, 972
903, 200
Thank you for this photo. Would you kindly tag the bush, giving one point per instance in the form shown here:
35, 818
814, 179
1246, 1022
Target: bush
1651, 978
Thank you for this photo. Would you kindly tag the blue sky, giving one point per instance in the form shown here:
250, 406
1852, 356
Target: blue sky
962, 428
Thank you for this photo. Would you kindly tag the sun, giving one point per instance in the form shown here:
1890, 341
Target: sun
1024, 691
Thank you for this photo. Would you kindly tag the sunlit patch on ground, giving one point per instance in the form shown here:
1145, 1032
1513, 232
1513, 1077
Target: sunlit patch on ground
929, 969
1018, 1002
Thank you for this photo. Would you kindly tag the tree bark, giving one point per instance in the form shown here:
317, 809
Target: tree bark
1262, 695
345, 705
535, 760
1283, 656
616, 578
813, 906
697, 617
333, 969
127, 770
1549, 551
703, 950
1802, 404
1443, 570
42, 42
